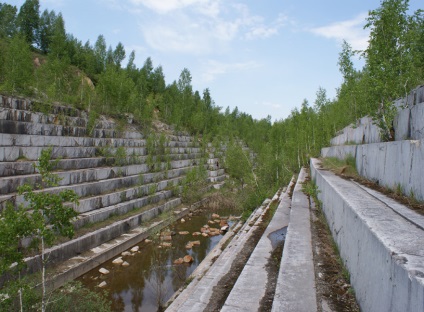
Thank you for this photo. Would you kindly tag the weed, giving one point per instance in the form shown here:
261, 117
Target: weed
121, 156
91, 123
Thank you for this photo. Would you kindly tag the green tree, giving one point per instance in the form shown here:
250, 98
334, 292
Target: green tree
45, 31
8, 25
100, 54
48, 215
29, 20
18, 66
238, 164
118, 54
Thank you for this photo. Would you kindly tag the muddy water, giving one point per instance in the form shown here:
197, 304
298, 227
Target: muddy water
152, 277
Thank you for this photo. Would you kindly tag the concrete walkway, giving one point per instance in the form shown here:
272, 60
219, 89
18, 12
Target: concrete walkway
252, 283
380, 246
295, 289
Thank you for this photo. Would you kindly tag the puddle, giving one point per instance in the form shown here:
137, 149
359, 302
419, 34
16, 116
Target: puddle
277, 237
152, 277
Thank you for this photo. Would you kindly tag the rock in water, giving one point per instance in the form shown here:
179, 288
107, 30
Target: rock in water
135, 249
125, 264
104, 271
188, 259
179, 261
215, 216
103, 284
118, 261
182, 220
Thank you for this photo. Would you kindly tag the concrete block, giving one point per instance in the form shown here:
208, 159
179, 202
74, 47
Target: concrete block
417, 122
419, 95
93, 239
381, 249
401, 124
392, 164
295, 289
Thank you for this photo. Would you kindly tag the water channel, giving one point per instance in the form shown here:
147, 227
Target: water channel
152, 277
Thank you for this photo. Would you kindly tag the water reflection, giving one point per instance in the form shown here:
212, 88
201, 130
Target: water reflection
152, 277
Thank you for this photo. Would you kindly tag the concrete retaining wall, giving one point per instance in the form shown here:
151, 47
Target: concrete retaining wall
409, 123
382, 251
395, 165
76, 246
365, 131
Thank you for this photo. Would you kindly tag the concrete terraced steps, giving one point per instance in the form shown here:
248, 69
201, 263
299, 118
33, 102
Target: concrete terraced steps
295, 290
254, 280
198, 293
107, 184
295, 285
380, 242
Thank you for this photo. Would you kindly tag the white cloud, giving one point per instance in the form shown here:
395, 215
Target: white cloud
188, 40
271, 105
261, 31
166, 6
351, 30
199, 26
216, 68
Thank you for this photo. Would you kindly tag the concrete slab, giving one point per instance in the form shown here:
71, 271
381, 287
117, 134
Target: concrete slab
381, 248
392, 164
295, 289
251, 285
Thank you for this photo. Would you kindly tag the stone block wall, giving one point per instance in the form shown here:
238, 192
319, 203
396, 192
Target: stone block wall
112, 171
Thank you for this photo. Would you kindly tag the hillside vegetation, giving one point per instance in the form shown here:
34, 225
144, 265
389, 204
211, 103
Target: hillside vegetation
41, 60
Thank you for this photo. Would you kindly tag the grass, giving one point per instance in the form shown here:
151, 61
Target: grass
346, 167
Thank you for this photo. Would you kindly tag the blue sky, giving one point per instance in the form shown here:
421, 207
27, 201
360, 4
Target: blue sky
263, 56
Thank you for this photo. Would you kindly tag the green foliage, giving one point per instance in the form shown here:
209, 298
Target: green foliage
193, 184
17, 69
49, 215
15, 225
238, 164
29, 20
121, 156
8, 25
71, 297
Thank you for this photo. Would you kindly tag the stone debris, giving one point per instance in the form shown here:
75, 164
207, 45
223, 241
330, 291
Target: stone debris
205, 234
183, 232
147, 240
179, 261
166, 238
211, 222
182, 221
135, 249
189, 245
118, 261
102, 284
196, 242
164, 244
196, 233
188, 259
225, 228
126, 253
104, 271
125, 264
215, 216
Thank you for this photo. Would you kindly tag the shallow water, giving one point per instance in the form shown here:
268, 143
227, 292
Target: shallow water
151, 277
